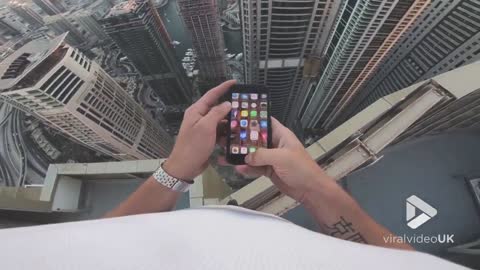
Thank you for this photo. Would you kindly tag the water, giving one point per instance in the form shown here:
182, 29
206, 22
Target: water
177, 30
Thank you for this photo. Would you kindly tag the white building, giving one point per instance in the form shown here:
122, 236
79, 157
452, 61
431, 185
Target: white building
56, 83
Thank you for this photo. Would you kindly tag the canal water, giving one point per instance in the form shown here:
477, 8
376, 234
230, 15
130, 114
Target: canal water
177, 30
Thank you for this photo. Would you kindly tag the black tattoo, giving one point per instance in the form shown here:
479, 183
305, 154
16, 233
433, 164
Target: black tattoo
345, 230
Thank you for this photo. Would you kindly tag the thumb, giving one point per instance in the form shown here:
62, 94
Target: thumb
217, 113
264, 157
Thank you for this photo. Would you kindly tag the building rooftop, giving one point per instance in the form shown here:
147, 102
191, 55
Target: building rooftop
17, 65
123, 8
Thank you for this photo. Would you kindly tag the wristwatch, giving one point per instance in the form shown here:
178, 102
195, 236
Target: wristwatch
171, 182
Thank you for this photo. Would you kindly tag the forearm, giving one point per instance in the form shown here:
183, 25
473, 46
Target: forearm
150, 197
340, 216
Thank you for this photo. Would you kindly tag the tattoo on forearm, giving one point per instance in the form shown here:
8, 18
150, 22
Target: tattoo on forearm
345, 230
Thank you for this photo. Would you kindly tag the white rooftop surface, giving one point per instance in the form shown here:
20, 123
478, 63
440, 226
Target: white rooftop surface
39, 50
123, 8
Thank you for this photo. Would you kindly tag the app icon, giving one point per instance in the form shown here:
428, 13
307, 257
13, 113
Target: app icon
244, 150
253, 113
244, 114
244, 105
234, 114
253, 105
263, 114
254, 135
244, 96
235, 104
235, 149
264, 96
254, 96
253, 123
253, 149
243, 135
264, 136
235, 95
263, 105
234, 124
244, 123
264, 124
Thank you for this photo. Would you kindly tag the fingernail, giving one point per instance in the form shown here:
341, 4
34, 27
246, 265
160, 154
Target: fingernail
248, 158
226, 103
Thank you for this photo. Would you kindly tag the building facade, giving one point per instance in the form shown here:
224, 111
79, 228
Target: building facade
86, 22
203, 21
278, 37
12, 22
59, 85
445, 37
50, 7
29, 15
373, 28
137, 29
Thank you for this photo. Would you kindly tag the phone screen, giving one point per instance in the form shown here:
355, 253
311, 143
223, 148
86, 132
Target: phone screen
249, 123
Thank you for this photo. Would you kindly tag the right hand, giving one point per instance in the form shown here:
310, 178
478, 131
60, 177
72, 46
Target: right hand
288, 165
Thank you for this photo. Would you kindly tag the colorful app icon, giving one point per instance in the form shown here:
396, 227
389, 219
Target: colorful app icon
264, 96
235, 149
233, 124
254, 135
253, 123
244, 150
253, 96
243, 135
264, 136
264, 124
253, 113
235, 104
253, 105
253, 149
244, 105
244, 114
263, 105
244, 123
244, 96
234, 114
263, 114
235, 95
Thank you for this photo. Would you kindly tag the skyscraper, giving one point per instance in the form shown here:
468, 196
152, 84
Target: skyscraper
26, 13
60, 25
202, 19
278, 37
56, 83
137, 29
372, 30
445, 37
86, 21
51, 7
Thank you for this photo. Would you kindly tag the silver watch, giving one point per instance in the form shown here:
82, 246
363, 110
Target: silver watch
171, 182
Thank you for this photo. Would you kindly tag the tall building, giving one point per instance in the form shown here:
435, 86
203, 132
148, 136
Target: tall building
56, 83
11, 22
26, 13
278, 37
51, 7
373, 28
445, 37
203, 21
59, 24
137, 29
86, 22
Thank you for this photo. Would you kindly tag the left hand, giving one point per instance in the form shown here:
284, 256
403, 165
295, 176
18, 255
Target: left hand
197, 136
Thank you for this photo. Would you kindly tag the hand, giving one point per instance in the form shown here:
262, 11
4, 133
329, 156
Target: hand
289, 166
197, 136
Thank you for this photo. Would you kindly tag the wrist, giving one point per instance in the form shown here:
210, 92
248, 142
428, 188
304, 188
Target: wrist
177, 170
320, 190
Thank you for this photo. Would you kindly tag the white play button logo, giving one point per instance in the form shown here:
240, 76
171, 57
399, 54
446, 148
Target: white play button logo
427, 212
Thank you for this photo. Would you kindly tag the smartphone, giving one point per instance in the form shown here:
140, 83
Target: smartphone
249, 122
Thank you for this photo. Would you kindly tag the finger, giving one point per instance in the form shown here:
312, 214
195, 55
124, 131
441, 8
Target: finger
211, 98
222, 161
217, 114
282, 136
251, 172
264, 157
277, 131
